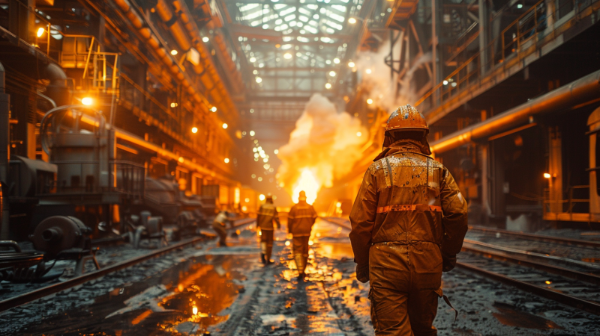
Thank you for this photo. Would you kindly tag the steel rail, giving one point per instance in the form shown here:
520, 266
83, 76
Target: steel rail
572, 301
52, 289
501, 256
588, 306
568, 241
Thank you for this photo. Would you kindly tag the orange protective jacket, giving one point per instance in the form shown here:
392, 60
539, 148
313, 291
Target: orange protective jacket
266, 215
301, 218
408, 198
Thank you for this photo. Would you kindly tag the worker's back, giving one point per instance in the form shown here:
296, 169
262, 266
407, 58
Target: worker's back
266, 214
301, 218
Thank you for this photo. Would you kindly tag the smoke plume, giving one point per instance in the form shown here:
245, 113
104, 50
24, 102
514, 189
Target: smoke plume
324, 145
376, 79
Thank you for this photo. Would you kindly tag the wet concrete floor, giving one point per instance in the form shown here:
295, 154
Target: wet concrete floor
227, 291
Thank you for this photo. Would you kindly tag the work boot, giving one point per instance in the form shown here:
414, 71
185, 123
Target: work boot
262, 258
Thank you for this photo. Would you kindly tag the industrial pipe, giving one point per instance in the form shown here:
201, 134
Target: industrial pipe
4, 150
57, 90
574, 93
165, 13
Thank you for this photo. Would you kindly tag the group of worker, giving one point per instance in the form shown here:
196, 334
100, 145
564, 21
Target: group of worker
301, 219
409, 221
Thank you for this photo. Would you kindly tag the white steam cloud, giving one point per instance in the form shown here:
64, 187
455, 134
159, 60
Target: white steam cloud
376, 79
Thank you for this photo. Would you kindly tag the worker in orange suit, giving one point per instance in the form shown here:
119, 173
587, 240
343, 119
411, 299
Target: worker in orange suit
267, 214
301, 218
409, 221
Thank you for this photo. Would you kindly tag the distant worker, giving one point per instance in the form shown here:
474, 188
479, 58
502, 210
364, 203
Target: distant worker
267, 214
220, 226
301, 219
409, 221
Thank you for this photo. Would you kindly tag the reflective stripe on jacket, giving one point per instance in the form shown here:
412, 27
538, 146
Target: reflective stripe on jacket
266, 215
407, 197
301, 218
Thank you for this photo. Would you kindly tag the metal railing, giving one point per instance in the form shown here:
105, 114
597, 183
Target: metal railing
16, 17
570, 203
535, 28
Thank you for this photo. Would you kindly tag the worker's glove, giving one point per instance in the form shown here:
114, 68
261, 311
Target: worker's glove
449, 262
362, 272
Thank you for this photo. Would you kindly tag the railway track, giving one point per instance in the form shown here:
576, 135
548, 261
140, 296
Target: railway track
61, 286
573, 284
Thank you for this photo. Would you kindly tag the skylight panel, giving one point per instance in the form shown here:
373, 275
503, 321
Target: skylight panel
293, 24
313, 7
334, 25
313, 23
287, 11
302, 39
311, 29
325, 39
336, 17
279, 6
286, 46
303, 18
281, 27
304, 11
290, 17
279, 21
248, 7
252, 16
339, 8
255, 23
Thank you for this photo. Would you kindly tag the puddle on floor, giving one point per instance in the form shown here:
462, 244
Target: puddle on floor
185, 299
508, 316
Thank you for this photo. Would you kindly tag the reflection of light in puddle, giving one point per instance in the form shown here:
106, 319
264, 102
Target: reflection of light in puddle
336, 250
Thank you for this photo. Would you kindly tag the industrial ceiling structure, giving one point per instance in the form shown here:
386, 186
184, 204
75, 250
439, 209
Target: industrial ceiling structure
295, 48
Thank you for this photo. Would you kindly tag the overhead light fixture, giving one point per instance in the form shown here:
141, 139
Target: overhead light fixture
258, 80
369, 101
173, 52
226, 160
276, 151
332, 73
445, 82
547, 175
519, 6
194, 130
225, 126
287, 55
328, 86
205, 39
213, 109
368, 71
40, 32
252, 59
351, 64
252, 133
358, 134
336, 60
351, 20
87, 101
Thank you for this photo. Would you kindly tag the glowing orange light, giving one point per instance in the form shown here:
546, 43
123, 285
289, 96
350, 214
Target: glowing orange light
309, 184
547, 175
